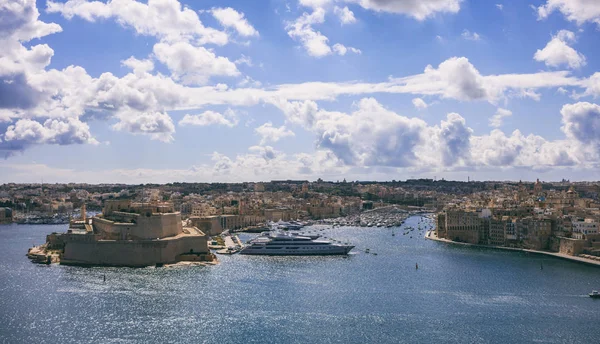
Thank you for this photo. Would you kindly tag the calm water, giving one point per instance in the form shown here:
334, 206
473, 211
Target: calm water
458, 295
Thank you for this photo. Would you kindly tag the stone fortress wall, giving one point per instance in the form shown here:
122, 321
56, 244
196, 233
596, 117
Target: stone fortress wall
132, 253
132, 234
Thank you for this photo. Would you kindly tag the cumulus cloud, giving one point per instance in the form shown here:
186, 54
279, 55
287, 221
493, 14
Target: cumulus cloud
579, 11
370, 136
558, 52
581, 122
158, 125
418, 9
497, 149
592, 86
138, 66
26, 132
373, 136
266, 152
164, 19
230, 18
498, 118
269, 133
193, 65
261, 161
419, 103
19, 21
208, 118
345, 15
139, 100
454, 139
313, 41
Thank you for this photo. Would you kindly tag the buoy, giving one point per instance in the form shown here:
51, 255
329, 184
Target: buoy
416, 266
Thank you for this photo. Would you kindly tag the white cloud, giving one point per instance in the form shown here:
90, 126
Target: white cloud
419, 103
62, 132
193, 65
346, 16
269, 133
370, 136
158, 125
579, 11
164, 19
244, 60
315, 3
230, 18
139, 101
471, 36
418, 9
557, 52
19, 21
210, 118
454, 139
340, 49
581, 122
373, 136
497, 149
266, 152
592, 86
313, 41
500, 7
138, 66
498, 118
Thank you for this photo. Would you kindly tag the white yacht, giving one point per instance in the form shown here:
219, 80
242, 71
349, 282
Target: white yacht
282, 244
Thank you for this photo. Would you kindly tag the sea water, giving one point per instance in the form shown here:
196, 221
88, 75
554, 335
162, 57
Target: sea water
457, 295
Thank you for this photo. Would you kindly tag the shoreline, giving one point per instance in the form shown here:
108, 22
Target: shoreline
431, 236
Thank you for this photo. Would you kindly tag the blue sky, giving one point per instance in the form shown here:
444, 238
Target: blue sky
165, 90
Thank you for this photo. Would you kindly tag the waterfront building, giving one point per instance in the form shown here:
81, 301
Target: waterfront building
203, 210
6, 215
211, 225
583, 227
497, 232
463, 226
130, 234
278, 214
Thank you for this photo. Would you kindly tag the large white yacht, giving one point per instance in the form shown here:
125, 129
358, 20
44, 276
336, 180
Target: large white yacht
283, 244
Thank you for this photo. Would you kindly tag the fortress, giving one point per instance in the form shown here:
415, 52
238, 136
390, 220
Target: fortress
126, 234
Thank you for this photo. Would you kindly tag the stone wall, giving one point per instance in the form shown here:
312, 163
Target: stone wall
145, 227
468, 236
131, 253
209, 225
571, 247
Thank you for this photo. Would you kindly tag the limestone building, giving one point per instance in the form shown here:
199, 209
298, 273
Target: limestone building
131, 234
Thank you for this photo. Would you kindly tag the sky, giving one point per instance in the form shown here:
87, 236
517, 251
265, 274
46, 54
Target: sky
160, 91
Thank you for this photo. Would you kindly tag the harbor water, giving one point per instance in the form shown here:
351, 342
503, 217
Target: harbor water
457, 295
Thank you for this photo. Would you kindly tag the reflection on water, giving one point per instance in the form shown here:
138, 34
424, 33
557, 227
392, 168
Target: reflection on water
458, 295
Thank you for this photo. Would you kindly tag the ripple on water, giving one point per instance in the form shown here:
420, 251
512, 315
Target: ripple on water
458, 295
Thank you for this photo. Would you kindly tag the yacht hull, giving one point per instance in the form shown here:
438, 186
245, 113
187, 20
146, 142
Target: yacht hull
337, 251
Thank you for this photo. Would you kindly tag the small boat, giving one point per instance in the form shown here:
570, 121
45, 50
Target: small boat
594, 294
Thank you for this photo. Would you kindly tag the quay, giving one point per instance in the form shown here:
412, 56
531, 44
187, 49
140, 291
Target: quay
431, 236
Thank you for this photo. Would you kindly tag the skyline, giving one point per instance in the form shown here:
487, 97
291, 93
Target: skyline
169, 91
